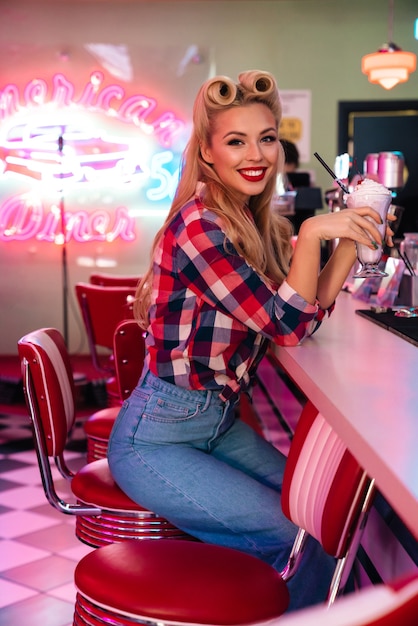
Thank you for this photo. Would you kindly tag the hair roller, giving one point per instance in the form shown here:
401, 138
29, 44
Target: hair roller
221, 90
258, 82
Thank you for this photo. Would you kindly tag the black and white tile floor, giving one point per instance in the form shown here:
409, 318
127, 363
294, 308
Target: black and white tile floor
38, 547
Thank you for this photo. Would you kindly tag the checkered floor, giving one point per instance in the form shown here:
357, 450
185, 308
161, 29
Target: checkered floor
38, 547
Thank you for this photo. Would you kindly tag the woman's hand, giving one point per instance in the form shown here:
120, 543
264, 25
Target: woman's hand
389, 232
359, 224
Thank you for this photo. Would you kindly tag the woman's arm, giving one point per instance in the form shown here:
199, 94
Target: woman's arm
335, 272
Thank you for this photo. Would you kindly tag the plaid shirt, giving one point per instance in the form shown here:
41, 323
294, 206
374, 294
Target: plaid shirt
211, 313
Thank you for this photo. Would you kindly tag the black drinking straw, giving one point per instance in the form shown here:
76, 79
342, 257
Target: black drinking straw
329, 170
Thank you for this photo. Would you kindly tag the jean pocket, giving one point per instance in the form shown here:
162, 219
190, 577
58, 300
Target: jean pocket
126, 421
171, 420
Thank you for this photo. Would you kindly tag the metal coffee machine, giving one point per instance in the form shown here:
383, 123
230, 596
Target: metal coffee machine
388, 167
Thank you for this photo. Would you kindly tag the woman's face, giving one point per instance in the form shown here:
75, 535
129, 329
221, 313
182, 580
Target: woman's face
244, 148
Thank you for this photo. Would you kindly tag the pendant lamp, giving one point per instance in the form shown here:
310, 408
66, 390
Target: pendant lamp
389, 65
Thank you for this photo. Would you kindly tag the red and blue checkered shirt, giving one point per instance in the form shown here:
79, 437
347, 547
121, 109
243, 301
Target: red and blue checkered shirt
211, 313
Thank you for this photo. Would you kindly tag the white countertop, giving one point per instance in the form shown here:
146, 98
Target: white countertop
364, 380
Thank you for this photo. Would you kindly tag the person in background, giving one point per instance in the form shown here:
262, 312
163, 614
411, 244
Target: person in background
224, 282
291, 155
293, 180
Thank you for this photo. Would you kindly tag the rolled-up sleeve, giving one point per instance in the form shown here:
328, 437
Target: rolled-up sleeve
295, 309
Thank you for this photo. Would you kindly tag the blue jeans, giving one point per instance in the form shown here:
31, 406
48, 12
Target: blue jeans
184, 455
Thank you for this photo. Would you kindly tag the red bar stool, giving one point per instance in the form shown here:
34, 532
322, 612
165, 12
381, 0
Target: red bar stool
325, 492
102, 308
114, 280
104, 513
129, 354
179, 582
186, 584
98, 428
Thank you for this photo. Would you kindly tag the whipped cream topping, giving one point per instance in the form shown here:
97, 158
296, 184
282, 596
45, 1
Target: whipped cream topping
367, 185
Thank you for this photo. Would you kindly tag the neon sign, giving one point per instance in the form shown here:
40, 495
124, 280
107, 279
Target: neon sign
135, 109
57, 141
26, 218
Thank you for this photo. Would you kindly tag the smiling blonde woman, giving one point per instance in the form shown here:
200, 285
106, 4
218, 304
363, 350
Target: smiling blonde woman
223, 282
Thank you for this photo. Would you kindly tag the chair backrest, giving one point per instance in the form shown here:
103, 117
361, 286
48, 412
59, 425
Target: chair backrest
48, 385
129, 354
102, 309
389, 604
49, 388
114, 280
324, 487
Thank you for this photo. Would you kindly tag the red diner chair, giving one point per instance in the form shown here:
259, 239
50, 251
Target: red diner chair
325, 492
129, 350
102, 308
114, 280
129, 355
232, 589
103, 512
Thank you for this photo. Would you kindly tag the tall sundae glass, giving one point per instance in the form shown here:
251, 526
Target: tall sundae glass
370, 193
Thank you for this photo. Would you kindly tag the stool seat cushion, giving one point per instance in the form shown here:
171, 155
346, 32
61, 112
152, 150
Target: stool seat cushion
181, 581
94, 484
101, 423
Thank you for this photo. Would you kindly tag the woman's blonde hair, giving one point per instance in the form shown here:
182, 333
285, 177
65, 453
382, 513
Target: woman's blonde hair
264, 243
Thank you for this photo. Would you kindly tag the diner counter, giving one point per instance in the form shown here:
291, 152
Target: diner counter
364, 380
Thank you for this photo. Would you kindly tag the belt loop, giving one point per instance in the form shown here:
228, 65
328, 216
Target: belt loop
208, 400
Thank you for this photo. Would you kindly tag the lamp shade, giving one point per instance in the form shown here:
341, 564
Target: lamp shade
389, 66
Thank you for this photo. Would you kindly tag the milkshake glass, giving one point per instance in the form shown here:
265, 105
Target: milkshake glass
370, 193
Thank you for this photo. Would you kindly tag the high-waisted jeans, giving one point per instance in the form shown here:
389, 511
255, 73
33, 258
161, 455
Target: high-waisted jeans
184, 455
